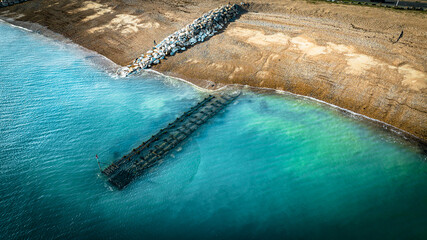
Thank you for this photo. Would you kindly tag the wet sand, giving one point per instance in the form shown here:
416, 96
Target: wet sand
341, 54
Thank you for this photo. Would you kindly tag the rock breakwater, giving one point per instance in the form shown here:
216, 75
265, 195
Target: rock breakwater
202, 28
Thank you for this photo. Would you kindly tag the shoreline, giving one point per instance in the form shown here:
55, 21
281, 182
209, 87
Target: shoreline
94, 57
110, 67
108, 64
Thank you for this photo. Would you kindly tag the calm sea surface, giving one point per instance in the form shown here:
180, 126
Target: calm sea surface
268, 166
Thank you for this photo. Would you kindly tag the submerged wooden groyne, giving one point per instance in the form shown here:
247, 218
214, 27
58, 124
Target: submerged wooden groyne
121, 172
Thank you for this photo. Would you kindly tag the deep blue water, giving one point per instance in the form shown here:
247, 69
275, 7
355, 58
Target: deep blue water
268, 166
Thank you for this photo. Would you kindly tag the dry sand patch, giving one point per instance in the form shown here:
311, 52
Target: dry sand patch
256, 37
98, 8
125, 24
414, 79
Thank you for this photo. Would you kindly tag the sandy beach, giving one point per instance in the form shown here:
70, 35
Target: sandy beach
349, 56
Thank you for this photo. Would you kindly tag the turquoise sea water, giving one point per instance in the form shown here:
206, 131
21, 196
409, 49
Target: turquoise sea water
268, 166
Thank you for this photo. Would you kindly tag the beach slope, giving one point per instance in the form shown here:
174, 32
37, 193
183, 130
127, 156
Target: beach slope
369, 60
